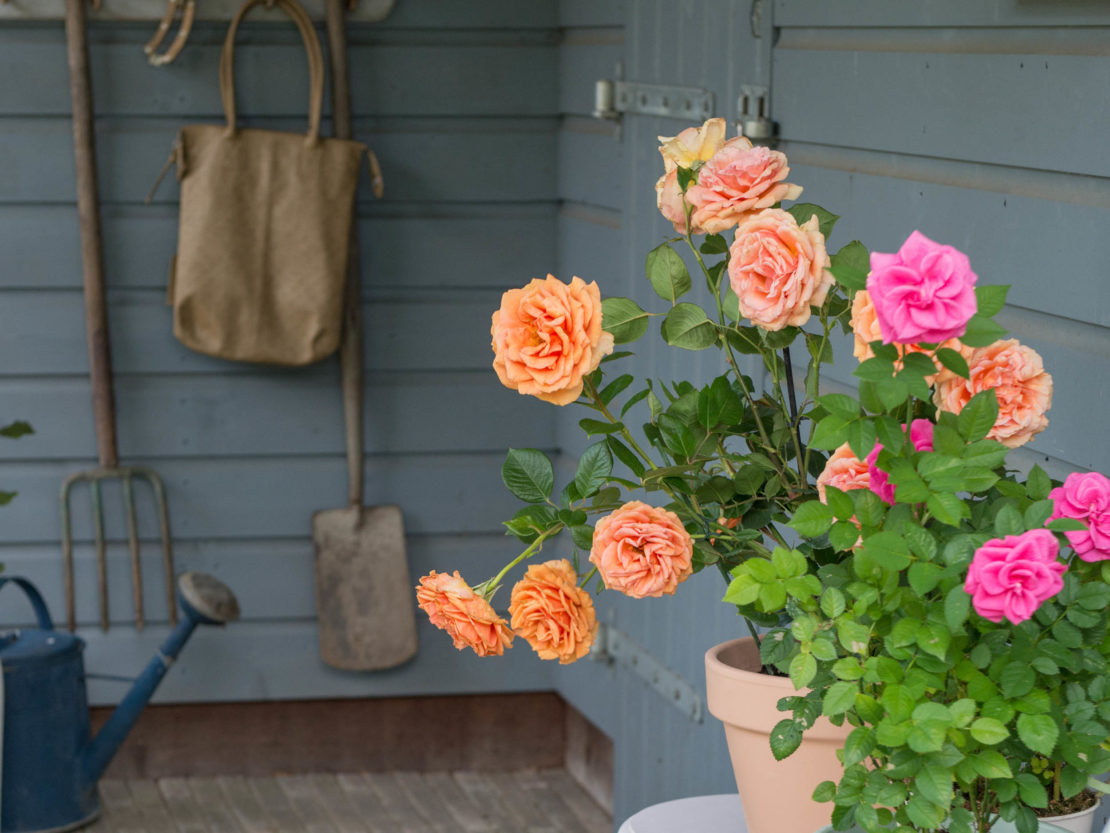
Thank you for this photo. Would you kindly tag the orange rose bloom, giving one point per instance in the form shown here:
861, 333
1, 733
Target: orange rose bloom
641, 550
1023, 388
469, 620
778, 269
694, 144
547, 336
553, 613
865, 328
844, 471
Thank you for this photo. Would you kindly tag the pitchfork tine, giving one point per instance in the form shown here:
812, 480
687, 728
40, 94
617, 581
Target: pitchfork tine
133, 545
67, 553
155, 482
101, 554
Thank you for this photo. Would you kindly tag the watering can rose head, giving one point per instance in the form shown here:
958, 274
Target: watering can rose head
916, 587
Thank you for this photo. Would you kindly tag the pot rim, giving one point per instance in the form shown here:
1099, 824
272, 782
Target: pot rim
712, 658
1076, 815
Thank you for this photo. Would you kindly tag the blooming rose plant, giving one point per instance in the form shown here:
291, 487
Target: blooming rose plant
955, 614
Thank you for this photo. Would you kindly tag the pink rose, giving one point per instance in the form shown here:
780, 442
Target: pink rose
1023, 388
921, 435
641, 550
924, 292
778, 269
865, 329
1086, 497
1011, 577
690, 147
737, 180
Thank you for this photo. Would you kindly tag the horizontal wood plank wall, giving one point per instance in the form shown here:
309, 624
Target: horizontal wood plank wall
461, 106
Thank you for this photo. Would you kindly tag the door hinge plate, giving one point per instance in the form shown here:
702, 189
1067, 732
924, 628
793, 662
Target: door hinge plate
662, 100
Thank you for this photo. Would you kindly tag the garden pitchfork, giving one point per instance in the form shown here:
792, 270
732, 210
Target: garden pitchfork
100, 364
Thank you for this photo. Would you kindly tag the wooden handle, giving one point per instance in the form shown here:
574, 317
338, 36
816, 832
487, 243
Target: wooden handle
88, 210
350, 347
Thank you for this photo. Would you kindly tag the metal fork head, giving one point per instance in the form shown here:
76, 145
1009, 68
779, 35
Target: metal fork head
126, 475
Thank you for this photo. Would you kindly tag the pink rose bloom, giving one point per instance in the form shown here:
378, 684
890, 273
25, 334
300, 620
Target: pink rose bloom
778, 269
844, 471
921, 435
1009, 578
641, 550
688, 148
1023, 388
1086, 497
924, 292
738, 180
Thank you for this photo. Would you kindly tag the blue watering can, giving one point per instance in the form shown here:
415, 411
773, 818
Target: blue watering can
49, 765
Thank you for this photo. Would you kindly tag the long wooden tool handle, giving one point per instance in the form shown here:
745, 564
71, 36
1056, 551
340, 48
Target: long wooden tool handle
88, 210
350, 348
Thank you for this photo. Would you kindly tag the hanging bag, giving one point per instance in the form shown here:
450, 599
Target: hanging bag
264, 227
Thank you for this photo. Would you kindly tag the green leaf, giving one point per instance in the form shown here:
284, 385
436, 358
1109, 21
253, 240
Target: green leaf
1066, 525
7, 497
839, 697
829, 433
982, 332
594, 467
924, 814
833, 603
861, 437
990, 764
803, 668
596, 426
1017, 679
802, 211
840, 503
625, 455
859, 744
849, 277
1031, 789
583, 536
953, 361
786, 736
714, 244
946, 508
989, 731
935, 784
528, 474
623, 319
957, 607
840, 404
1008, 521
990, 299
1037, 731
812, 519
887, 549
923, 577
718, 403
853, 255
668, 274
1038, 484
15, 430
610, 391
687, 327
874, 370
825, 791
843, 536
530, 521
978, 416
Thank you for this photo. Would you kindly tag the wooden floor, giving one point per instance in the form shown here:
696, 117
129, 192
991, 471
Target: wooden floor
545, 801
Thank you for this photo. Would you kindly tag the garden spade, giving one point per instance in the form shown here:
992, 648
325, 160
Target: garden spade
364, 594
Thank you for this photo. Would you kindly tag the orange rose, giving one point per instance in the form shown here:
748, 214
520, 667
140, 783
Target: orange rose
641, 550
865, 328
1023, 388
778, 269
553, 613
738, 180
469, 620
547, 336
844, 471
692, 145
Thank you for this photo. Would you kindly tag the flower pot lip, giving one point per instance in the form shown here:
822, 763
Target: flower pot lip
713, 659
1078, 814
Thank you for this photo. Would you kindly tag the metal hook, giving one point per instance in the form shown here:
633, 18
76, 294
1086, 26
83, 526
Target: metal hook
187, 16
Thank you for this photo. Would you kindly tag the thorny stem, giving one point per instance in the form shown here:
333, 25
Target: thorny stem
486, 588
601, 406
586, 578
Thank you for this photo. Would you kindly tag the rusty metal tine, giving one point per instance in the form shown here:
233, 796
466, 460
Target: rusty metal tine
133, 545
67, 552
159, 490
101, 554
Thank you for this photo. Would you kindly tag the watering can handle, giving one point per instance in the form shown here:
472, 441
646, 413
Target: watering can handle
41, 613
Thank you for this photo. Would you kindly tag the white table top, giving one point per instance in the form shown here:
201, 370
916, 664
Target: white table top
703, 814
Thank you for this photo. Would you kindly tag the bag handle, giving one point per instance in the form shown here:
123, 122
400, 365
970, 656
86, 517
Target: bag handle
315, 65
41, 613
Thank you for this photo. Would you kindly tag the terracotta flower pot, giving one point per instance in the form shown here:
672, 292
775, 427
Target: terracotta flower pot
775, 794
1079, 822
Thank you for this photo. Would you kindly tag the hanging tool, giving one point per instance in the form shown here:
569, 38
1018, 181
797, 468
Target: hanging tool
188, 12
364, 595
100, 364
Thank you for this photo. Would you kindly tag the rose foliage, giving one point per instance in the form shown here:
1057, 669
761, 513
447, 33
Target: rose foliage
955, 614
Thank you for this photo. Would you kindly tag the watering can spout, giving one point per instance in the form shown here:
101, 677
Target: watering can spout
204, 601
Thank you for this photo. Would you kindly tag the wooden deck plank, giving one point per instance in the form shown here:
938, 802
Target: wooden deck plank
483, 793
119, 807
470, 816
594, 819
305, 801
152, 808
397, 803
244, 804
283, 818
182, 807
426, 801
341, 810
538, 792
212, 806
521, 805
364, 798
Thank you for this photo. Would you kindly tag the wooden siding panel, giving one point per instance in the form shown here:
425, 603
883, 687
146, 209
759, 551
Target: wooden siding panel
590, 162
1001, 13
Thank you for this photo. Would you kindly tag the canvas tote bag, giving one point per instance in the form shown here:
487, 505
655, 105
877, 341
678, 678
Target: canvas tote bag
265, 220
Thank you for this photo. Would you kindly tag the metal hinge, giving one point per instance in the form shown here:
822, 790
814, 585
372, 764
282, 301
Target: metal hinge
613, 647
753, 114
613, 98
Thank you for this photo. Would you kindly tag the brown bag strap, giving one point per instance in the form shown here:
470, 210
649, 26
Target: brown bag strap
315, 65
